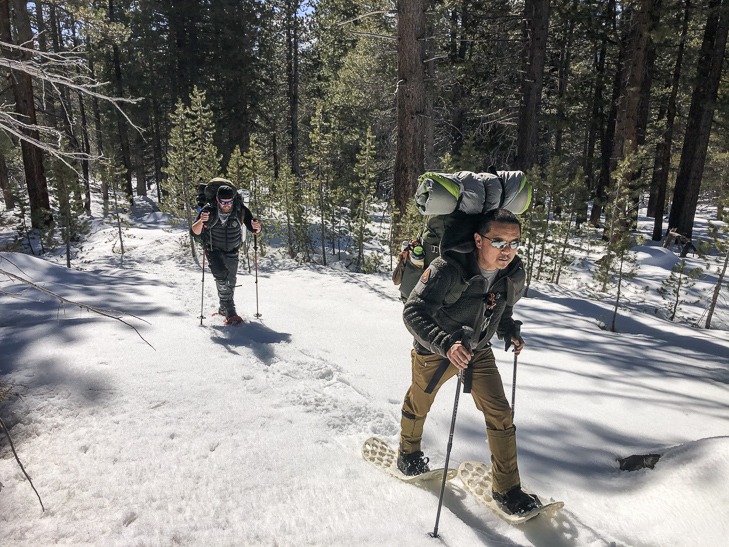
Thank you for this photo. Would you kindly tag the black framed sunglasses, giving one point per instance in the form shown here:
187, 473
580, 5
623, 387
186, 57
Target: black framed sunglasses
225, 201
498, 244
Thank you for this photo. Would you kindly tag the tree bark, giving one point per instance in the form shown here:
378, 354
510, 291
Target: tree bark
596, 123
5, 184
606, 147
121, 123
628, 120
411, 101
662, 163
701, 113
22, 84
292, 69
536, 27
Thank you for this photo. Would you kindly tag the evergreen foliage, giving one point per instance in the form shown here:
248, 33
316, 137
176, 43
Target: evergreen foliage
720, 239
363, 197
70, 192
192, 158
677, 285
619, 262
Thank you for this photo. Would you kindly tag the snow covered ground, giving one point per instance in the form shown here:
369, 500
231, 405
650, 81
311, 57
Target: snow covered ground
251, 435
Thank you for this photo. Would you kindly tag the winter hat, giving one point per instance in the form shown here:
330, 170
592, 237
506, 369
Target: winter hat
226, 192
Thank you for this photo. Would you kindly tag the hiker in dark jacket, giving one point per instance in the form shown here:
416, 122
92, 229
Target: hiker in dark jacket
473, 284
221, 227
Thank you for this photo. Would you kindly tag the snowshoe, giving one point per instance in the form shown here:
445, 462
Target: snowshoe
381, 455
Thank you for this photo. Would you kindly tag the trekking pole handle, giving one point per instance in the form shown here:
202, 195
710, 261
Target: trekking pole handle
516, 334
467, 334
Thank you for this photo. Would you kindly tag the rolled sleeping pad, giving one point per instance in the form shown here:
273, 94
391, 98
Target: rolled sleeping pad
472, 193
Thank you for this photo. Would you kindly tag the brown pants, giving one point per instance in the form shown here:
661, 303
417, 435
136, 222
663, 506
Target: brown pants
488, 394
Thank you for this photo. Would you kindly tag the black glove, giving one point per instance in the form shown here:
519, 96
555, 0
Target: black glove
516, 334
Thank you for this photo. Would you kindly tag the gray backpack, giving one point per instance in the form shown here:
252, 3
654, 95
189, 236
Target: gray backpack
452, 203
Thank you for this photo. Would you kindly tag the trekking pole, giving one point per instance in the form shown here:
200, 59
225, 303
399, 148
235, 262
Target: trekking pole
513, 381
255, 262
202, 295
465, 342
513, 390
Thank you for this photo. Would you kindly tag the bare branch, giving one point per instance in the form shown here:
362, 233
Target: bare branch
12, 447
380, 12
67, 69
113, 314
373, 35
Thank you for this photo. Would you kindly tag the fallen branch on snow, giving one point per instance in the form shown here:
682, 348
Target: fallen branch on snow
12, 447
100, 311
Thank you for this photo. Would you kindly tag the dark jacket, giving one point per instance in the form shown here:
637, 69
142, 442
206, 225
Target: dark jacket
452, 294
229, 236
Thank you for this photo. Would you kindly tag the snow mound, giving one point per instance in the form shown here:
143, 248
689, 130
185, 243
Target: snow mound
668, 494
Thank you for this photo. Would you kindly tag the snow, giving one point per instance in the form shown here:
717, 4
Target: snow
251, 435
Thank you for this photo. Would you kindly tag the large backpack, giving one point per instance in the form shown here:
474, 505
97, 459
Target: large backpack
452, 203
207, 194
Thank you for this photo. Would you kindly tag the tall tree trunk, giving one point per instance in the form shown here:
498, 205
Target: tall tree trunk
5, 184
700, 118
157, 146
292, 70
662, 164
98, 134
22, 84
627, 123
597, 121
85, 140
565, 60
628, 120
606, 147
536, 27
411, 100
120, 122
139, 166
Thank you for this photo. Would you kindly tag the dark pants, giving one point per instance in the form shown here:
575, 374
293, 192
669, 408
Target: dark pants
488, 394
224, 266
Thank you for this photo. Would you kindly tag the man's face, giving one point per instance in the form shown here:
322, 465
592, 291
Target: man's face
226, 205
494, 258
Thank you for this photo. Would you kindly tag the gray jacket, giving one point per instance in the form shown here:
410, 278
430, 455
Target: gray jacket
451, 294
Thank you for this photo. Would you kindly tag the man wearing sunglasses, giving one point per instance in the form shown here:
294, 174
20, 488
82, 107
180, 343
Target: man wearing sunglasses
221, 227
475, 284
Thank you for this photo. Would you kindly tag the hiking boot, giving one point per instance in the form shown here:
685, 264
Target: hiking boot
412, 464
516, 501
233, 320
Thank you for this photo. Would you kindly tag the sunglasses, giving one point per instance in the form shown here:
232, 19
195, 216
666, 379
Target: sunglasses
501, 244
225, 201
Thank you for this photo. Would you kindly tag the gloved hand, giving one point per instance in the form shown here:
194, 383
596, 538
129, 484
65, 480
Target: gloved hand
515, 338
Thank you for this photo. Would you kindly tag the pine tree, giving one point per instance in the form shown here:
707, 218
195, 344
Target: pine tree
205, 156
619, 262
178, 187
112, 173
535, 225
318, 168
570, 196
192, 158
720, 239
261, 185
69, 191
678, 283
365, 170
